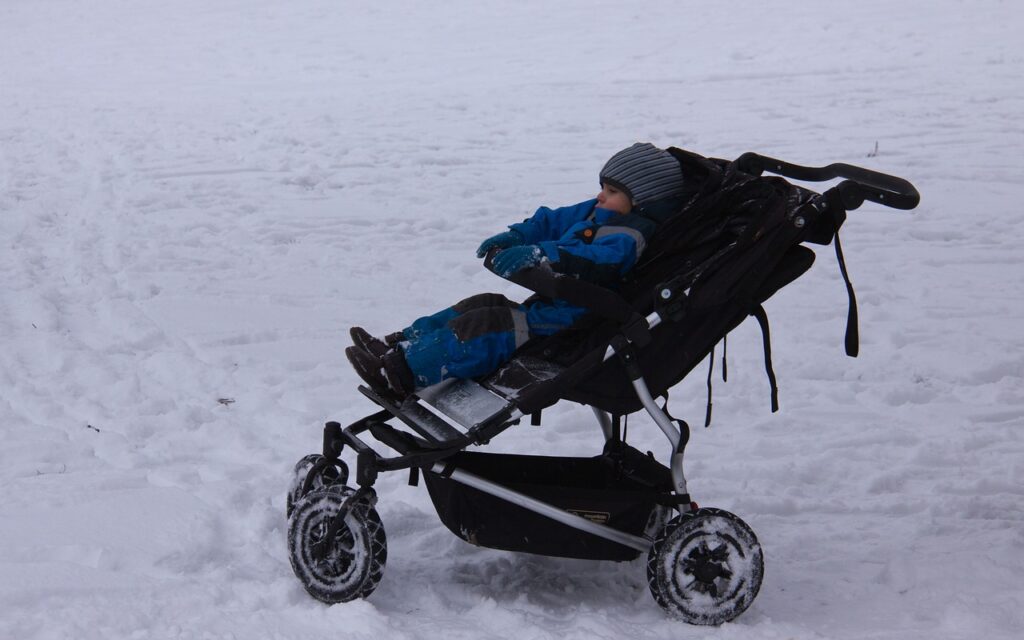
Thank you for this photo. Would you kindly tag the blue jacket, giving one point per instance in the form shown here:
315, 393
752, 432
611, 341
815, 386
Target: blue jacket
585, 241
582, 240
588, 242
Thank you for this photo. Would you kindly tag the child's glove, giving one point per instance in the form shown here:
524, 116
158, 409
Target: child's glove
513, 259
510, 238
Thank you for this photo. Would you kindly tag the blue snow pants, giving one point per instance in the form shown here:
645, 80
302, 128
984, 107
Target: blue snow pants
478, 335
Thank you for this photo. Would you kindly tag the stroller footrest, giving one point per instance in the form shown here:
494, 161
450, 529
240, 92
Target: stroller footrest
436, 432
431, 426
462, 404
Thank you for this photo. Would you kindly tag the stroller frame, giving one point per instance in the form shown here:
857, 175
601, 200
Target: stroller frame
428, 419
441, 421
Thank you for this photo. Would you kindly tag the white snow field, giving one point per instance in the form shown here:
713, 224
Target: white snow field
198, 198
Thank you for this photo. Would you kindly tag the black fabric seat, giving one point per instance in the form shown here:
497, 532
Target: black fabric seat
714, 249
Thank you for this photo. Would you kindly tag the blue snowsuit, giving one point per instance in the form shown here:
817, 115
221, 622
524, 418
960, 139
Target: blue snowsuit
479, 334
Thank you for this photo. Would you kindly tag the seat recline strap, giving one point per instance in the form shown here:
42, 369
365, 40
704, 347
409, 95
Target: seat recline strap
852, 333
762, 319
711, 370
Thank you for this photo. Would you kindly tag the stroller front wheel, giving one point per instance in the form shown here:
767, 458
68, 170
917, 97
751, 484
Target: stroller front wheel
325, 474
705, 567
343, 566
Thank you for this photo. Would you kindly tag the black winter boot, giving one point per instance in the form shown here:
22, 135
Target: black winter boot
362, 339
398, 373
368, 366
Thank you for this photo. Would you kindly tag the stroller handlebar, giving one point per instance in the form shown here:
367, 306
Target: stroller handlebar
860, 184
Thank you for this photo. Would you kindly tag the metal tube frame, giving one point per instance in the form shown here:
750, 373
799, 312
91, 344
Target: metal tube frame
639, 543
576, 522
675, 437
670, 431
605, 421
658, 415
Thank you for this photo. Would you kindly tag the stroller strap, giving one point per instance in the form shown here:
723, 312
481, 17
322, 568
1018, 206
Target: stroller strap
852, 332
835, 205
766, 337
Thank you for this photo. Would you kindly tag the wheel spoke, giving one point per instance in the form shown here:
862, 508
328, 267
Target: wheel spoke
339, 564
345, 542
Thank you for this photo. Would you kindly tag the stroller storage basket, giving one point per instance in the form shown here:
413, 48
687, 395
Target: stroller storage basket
620, 488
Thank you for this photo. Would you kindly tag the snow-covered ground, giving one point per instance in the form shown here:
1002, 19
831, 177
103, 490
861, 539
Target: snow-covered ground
198, 198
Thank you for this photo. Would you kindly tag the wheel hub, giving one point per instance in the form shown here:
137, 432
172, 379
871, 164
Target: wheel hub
707, 566
333, 554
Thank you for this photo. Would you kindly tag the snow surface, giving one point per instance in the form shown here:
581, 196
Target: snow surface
198, 198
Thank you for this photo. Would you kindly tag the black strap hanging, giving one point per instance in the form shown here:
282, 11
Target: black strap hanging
684, 427
725, 351
762, 319
711, 369
852, 333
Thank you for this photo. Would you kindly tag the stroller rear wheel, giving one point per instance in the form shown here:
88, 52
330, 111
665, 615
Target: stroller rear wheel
658, 520
705, 567
343, 566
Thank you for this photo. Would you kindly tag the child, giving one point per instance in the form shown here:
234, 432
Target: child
598, 240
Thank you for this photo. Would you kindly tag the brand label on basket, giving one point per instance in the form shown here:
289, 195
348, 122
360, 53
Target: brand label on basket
600, 517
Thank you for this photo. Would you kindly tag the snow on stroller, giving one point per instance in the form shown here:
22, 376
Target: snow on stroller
712, 264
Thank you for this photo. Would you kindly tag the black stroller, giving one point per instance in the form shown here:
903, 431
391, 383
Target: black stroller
737, 241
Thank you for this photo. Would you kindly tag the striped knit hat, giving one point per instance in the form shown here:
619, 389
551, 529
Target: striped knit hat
644, 172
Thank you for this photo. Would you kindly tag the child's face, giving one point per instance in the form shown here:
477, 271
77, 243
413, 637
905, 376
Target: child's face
614, 199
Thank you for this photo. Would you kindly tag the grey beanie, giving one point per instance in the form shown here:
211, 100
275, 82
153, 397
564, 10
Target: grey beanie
644, 172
